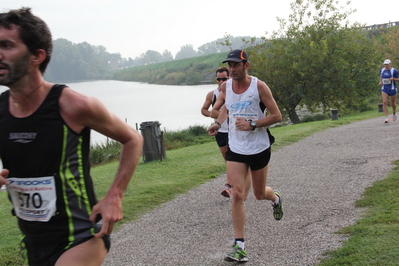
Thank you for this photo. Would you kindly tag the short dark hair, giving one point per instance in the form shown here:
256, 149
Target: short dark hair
33, 31
221, 70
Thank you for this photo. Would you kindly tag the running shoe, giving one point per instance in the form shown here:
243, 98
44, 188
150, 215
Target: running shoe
226, 191
386, 120
394, 117
278, 209
238, 254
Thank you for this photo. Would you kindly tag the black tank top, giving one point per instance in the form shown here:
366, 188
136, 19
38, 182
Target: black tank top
42, 145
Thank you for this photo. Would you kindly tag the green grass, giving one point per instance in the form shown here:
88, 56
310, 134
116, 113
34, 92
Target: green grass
374, 239
160, 181
183, 169
189, 71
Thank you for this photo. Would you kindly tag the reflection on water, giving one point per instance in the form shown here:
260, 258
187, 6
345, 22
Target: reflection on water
175, 107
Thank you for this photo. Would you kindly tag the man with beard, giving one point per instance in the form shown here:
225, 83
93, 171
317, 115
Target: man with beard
245, 99
44, 148
222, 75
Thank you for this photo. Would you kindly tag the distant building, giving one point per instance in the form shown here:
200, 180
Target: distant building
379, 26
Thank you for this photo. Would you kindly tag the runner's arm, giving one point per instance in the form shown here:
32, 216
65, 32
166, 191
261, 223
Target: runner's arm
215, 112
81, 111
220, 115
266, 97
208, 102
214, 128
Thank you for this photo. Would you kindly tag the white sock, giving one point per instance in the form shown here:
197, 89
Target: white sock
241, 244
277, 201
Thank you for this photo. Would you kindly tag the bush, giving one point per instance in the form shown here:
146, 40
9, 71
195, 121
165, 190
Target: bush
311, 118
320, 117
105, 153
110, 151
192, 136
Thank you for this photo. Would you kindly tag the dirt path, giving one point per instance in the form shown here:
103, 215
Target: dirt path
319, 177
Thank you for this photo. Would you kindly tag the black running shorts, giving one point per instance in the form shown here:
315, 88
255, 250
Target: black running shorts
47, 254
222, 139
255, 161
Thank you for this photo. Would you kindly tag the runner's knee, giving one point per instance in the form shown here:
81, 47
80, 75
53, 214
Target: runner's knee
238, 194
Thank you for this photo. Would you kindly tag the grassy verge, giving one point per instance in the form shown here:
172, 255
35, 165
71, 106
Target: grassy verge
160, 181
189, 71
374, 239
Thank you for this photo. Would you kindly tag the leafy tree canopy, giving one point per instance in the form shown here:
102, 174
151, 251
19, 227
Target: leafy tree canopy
74, 62
186, 51
316, 59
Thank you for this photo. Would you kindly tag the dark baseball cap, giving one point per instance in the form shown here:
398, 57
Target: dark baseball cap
236, 56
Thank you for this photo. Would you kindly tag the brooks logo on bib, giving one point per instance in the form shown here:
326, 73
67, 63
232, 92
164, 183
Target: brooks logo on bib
34, 199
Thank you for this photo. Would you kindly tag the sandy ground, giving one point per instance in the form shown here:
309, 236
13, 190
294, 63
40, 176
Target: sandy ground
320, 179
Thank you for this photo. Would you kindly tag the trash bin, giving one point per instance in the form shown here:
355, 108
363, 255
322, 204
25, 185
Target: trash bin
380, 110
334, 114
153, 148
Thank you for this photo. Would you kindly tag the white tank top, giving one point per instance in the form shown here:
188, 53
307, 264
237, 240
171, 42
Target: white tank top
224, 127
245, 105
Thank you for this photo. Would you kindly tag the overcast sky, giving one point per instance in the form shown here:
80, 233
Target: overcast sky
131, 27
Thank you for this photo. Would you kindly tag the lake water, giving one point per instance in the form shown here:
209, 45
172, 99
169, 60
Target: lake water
175, 107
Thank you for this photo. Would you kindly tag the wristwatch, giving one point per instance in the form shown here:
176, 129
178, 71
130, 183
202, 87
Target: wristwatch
253, 124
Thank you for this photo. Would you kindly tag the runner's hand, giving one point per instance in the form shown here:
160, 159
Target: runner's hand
243, 125
110, 211
3, 177
213, 130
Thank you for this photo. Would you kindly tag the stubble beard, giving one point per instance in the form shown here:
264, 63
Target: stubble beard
16, 71
239, 75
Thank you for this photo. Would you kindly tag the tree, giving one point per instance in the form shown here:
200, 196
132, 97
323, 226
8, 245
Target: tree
66, 63
115, 60
76, 62
229, 43
167, 56
389, 44
152, 57
316, 59
186, 51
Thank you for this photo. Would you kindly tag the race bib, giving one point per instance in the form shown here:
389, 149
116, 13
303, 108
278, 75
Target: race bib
248, 117
34, 199
386, 81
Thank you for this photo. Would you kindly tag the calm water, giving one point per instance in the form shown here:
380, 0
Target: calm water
175, 107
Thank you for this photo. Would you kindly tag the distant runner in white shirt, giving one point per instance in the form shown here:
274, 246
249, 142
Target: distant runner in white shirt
388, 78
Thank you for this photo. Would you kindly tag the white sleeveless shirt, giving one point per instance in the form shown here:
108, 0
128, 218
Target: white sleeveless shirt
247, 106
224, 126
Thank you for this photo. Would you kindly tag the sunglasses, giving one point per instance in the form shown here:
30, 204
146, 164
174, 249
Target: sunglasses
219, 79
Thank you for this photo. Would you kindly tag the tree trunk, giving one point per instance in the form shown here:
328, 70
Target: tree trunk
293, 115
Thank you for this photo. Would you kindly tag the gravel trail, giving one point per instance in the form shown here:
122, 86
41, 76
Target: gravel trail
320, 178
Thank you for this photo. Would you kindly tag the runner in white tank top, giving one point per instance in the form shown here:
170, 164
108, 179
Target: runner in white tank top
222, 75
249, 142
246, 106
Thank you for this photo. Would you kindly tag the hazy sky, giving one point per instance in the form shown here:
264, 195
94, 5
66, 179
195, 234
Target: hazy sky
131, 27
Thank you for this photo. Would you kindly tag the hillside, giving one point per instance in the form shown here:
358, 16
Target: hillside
190, 71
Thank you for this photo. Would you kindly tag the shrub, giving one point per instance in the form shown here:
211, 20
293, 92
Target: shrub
109, 151
311, 118
192, 136
105, 152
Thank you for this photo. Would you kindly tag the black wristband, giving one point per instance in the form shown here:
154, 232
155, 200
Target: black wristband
216, 122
